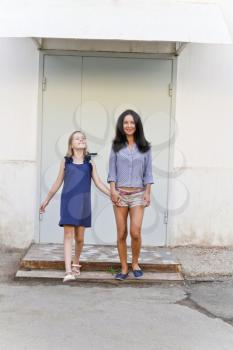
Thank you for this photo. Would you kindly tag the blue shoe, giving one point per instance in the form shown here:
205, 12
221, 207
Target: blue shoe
121, 276
138, 273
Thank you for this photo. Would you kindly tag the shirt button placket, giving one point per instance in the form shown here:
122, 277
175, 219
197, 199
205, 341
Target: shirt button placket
131, 167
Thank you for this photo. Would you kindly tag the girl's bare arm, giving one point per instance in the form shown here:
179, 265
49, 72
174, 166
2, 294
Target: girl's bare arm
98, 182
55, 187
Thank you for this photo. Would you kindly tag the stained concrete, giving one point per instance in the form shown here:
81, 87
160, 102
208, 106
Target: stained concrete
215, 297
208, 262
61, 317
99, 253
41, 316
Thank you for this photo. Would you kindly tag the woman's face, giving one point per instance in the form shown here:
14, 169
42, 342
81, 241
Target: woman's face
79, 141
129, 125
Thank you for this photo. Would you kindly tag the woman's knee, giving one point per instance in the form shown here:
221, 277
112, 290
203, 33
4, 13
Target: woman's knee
121, 235
135, 233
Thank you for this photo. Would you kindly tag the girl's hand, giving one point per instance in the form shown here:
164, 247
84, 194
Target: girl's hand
115, 197
43, 206
146, 199
54, 188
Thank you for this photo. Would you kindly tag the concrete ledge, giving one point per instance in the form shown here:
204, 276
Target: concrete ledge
98, 276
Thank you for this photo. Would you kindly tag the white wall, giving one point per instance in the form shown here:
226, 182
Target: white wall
201, 196
18, 138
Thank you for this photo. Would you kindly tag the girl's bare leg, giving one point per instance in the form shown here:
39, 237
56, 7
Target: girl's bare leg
121, 214
68, 239
79, 241
136, 216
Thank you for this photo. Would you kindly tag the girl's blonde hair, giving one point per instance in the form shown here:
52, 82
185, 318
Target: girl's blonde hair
70, 151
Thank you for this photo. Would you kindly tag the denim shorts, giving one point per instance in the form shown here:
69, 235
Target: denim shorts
131, 199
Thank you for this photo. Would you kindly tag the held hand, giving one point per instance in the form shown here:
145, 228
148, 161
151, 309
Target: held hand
118, 202
115, 197
43, 206
146, 199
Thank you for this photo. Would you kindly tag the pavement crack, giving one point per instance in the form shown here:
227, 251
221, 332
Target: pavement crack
188, 302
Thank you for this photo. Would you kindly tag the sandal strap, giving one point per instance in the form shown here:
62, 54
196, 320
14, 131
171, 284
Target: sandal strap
76, 269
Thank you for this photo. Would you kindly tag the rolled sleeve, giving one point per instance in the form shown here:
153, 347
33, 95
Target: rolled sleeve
148, 176
112, 167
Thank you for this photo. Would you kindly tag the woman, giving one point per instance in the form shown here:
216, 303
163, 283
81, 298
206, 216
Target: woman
130, 178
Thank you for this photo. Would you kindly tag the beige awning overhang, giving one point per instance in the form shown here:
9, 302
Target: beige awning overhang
108, 25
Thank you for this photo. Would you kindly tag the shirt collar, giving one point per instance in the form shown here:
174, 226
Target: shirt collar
133, 148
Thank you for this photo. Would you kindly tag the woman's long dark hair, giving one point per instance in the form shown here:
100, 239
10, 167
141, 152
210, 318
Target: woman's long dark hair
120, 139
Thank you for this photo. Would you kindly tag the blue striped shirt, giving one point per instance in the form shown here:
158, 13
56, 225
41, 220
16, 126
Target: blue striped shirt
130, 167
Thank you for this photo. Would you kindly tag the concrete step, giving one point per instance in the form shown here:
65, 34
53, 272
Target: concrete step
49, 256
97, 276
96, 266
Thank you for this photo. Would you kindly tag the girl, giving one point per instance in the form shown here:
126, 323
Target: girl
130, 178
76, 169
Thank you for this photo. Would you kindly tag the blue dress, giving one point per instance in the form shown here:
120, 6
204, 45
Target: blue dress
75, 208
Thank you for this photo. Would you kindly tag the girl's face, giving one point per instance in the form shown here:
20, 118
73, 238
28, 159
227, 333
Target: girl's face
129, 125
79, 141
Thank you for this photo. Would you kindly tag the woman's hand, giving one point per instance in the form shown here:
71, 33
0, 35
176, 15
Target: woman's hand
146, 199
115, 197
43, 206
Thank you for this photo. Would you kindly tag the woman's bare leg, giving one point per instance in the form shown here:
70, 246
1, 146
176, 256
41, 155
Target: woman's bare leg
68, 239
121, 214
136, 216
79, 241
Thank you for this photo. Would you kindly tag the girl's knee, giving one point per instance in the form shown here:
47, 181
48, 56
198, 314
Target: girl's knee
79, 240
68, 235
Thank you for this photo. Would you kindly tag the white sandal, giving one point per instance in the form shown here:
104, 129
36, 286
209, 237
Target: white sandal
68, 277
76, 270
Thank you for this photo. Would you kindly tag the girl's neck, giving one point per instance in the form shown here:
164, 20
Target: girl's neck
78, 154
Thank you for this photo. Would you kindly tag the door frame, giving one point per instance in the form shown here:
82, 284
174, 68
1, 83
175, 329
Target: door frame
39, 126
